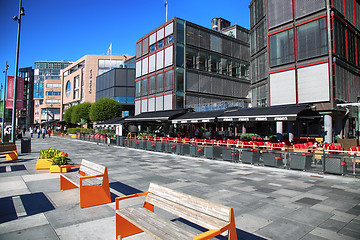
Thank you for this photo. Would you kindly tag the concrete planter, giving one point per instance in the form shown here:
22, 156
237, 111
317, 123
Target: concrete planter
212, 152
300, 161
196, 151
230, 154
272, 159
43, 163
334, 164
250, 156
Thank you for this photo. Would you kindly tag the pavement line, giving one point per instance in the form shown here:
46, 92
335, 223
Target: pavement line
19, 207
8, 169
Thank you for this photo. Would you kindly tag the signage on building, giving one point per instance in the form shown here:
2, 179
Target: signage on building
19, 92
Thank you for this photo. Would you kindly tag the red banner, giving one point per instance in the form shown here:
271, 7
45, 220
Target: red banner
10, 92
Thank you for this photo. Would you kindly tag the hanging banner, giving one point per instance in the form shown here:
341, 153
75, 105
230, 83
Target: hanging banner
10, 92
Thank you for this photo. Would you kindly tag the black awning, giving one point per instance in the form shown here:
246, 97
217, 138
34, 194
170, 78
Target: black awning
158, 116
113, 121
275, 113
196, 117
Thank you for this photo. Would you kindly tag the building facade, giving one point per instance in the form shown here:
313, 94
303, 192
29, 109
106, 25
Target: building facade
26, 115
78, 80
119, 84
45, 70
307, 52
182, 65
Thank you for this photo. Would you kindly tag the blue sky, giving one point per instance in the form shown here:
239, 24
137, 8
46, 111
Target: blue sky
69, 29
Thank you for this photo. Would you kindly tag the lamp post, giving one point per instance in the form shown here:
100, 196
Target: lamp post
18, 19
3, 118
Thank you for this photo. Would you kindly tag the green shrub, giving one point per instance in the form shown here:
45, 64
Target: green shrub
60, 159
48, 153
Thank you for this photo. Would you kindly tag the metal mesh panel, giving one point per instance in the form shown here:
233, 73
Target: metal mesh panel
192, 100
350, 11
253, 42
228, 87
341, 83
226, 47
235, 50
145, 46
339, 5
215, 43
279, 12
238, 90
252, 14
217, 85
259, 10
260, 36
340, 45
352, 87
138, 49
357, 16
305, 7
204, 38
205, 83
351, 47
312, 39
192, 82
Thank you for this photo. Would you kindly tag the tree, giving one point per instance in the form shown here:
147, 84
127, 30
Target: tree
67, 114
105, 109
81, 112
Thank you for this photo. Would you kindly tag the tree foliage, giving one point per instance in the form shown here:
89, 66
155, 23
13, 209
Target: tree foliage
80, 113
105, 109
67, 114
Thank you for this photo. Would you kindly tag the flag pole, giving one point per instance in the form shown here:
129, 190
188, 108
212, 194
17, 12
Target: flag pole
166, 8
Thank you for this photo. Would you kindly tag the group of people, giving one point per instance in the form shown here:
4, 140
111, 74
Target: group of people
39, 131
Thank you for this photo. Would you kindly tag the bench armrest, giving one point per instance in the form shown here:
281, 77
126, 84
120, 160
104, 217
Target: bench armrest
70, 166
212, 233
87, 177
127, 197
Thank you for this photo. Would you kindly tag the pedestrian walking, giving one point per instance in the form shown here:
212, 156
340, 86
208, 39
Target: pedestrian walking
43, 131
31, 131
49, 132
38, 131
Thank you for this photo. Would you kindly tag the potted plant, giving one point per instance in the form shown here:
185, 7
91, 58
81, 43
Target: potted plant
59, 160
45, 159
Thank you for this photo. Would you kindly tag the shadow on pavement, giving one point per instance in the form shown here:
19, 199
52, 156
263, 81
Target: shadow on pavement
123, 188
33, 203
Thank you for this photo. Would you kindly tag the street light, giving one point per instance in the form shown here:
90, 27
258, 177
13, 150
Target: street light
18, 19
3, 118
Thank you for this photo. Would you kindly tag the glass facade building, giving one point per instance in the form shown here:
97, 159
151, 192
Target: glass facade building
183, 65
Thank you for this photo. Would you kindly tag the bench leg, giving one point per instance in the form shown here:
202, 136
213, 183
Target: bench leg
124, 228
66, 184
94, 195
232, 229
12, 156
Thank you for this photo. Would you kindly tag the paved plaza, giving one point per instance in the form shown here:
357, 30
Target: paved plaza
269, 203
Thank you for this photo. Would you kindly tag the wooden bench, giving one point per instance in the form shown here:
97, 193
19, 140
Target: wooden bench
217, 218
9, 150
93, 181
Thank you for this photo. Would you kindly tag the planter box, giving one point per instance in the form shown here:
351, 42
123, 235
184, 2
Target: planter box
250, 156
196, 151
43, 163
171, 147
160, 146
183, 148
213, 152
333, 164
272, 159
56, 168
150, 145
230, 154
300, 161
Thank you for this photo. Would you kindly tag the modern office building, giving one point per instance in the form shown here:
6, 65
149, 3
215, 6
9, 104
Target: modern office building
78, 80
307, 52
44, 70
26, 115
119, 84
184, 65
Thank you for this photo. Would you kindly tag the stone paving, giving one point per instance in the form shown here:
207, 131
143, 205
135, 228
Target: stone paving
269, 203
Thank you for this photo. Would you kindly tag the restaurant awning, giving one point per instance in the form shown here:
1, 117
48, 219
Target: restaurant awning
158, 116
275, 113
111, 122
197, 117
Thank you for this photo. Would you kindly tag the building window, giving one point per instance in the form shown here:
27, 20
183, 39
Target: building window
144, 90
52, 93
339, 39
191, 58
152, 85
203, 63
281, 48
180, 55
311, 39
153, 48
180, 79
160, 82
138, 88
76, 87
160, 44
168, 80
68, 88
215, 64
53, 85
169, 40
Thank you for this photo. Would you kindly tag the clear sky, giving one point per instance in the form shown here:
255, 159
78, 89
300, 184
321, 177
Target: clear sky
56, 30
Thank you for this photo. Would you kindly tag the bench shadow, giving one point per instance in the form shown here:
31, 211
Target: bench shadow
241, 235
122, 188
34, 203
13, 168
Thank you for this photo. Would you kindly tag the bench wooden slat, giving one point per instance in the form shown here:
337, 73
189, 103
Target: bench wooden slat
74, 177
154, 225
198, 204
200, 218
91, 165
